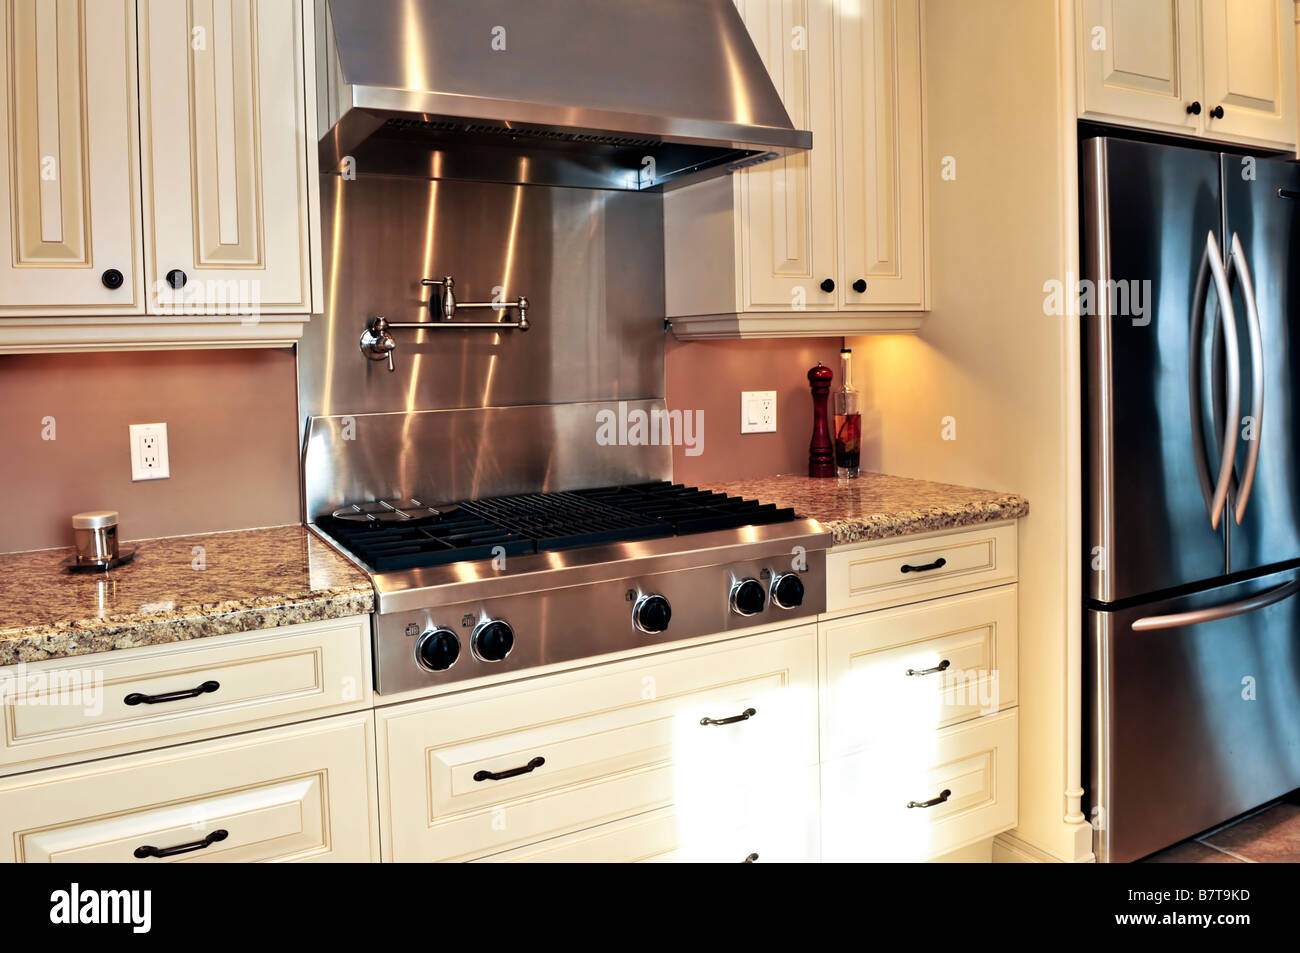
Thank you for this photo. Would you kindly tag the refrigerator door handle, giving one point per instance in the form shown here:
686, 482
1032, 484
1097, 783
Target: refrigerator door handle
1216, 494
1261, 600
1238, 265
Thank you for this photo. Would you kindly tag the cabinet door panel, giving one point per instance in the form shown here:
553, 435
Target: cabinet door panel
1250, 69
787, 206
226, 145
68, 157
878, 127
1140, 61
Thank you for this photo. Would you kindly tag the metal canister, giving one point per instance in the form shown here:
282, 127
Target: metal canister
95, 536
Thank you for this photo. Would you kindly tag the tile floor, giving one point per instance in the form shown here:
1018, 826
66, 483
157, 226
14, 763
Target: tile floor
1270, 835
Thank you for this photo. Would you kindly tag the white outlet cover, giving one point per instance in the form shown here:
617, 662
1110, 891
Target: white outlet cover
758, 411
149, 452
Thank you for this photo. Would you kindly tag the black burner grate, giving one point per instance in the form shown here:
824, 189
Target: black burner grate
537, 522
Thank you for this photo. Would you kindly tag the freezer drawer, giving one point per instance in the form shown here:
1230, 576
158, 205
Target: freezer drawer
1194, 712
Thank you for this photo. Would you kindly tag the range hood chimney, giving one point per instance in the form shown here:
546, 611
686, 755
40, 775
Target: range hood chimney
640, 95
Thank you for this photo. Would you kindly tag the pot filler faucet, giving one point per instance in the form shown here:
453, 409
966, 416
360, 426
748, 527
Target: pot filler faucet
378, 344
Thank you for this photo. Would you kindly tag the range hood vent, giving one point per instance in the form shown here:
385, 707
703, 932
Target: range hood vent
608, 94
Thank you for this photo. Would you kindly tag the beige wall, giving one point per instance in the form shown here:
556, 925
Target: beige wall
988, 357
708, 376
231, 429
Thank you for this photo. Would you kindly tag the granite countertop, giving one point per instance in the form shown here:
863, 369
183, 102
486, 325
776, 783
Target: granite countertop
879, 506
175, 589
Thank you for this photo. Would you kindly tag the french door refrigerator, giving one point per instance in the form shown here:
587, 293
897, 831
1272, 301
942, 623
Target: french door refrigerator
1190, 313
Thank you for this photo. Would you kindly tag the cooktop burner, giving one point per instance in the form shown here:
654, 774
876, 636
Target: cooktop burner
406, 534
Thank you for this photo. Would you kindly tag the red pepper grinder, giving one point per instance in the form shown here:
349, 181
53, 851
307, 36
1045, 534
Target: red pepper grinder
821, 453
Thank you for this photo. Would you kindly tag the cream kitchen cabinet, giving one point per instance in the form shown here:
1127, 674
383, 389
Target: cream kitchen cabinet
69, 158
1219, 69
182, 208
828, 242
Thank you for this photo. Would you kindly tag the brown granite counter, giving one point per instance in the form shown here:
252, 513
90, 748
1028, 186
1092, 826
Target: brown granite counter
179, 588
878, 506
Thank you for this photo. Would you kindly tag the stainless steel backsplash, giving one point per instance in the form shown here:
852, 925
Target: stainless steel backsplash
589, 261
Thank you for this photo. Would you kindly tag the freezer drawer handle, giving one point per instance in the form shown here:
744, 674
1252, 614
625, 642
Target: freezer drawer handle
512, 773
943, 796
745, 715
136, 698
1261, 600
941, 667
937, 564
147, 851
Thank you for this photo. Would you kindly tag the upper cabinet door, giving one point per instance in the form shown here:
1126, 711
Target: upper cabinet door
68, 158
879, 138
787, 206
1250, 69
1140, 61
228, 157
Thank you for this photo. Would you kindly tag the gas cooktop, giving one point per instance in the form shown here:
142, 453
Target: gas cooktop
407, 534
481, 588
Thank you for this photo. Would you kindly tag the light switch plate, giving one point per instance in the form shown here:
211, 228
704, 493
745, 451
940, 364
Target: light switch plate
758, 411
149, 452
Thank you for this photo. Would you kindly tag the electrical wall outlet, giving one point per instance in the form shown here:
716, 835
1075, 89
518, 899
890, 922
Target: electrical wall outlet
758, 411
149, 452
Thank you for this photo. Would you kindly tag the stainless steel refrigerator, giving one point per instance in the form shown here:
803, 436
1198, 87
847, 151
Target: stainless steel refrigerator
1191, 307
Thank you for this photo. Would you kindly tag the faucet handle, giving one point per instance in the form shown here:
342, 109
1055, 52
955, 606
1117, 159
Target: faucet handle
448, 285
377, 342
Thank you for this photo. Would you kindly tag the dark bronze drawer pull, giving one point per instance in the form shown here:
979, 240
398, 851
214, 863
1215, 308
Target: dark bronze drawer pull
512, 773
750, 859
941, 667
937, 564
142, 852
943, 796
136, 698
745, 715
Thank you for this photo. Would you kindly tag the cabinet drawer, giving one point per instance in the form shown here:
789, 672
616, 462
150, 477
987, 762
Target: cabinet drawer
908, 570
920, 667
70, 709
788, 832
303, 792
477, 773
865, 797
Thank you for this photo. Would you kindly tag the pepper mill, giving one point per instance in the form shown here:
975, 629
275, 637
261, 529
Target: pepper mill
821, 454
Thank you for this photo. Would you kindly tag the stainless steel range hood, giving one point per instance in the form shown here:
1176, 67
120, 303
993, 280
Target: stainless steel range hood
640, 95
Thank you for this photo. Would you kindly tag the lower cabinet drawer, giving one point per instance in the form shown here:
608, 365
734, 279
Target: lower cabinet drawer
923, 796
704, 730
783, 828
924, 667
93, 706
301, 793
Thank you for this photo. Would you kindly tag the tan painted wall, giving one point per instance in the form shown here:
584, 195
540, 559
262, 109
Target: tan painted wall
231, 429
988, 357
708, 376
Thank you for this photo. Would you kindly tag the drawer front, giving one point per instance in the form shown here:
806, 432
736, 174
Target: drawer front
865, 797
908, 570
487, 770
79, 708
924, 667
788, 832
302, 793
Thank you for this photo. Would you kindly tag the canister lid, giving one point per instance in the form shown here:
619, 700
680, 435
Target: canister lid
95, 519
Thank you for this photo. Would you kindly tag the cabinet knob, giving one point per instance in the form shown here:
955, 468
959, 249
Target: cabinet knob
860, 285
1194, 109
112, 279
1216, 112
828, 285
177, 278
